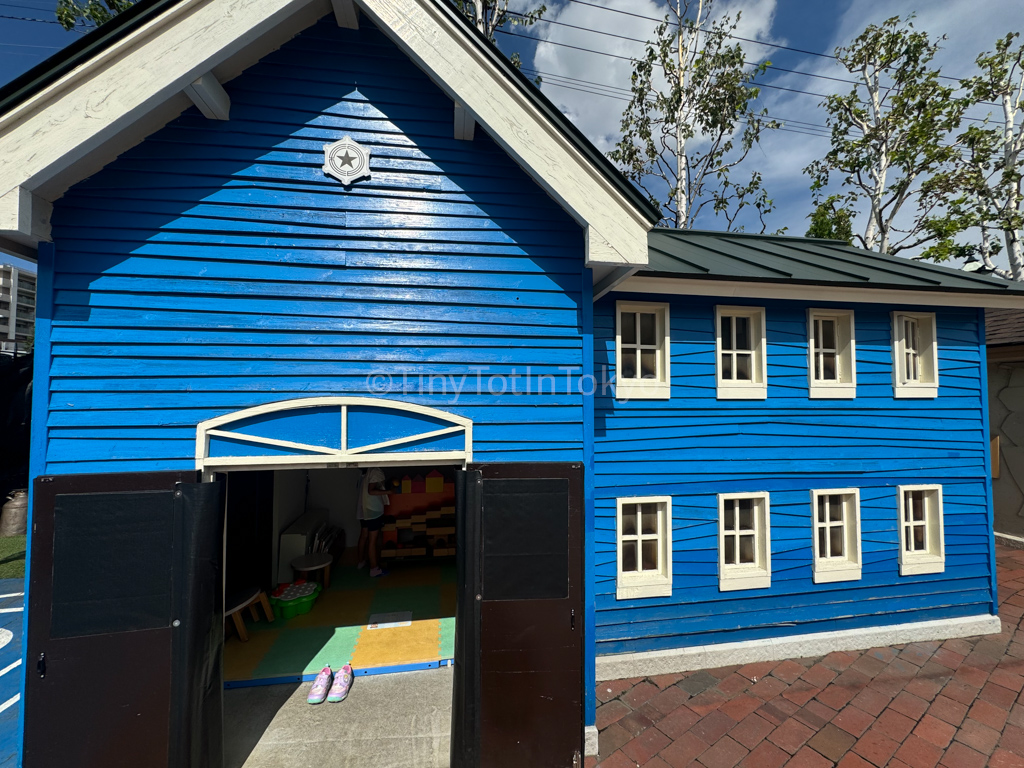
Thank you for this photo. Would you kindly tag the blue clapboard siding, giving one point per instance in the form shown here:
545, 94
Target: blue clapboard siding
214, 267
693, 447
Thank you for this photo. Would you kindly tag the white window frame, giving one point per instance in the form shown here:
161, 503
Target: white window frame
927, 383
633, 584
730, 389
645, 389
932, 560
757, 575
846, 355
848, 567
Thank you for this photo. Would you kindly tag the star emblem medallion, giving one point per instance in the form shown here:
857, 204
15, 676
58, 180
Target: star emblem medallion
347, 161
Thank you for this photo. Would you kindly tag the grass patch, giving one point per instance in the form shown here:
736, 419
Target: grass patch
12, 557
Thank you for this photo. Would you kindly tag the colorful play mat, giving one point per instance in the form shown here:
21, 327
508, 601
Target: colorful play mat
399, 622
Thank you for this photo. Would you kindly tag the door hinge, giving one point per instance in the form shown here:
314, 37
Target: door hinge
572, 619
41, 666
577, 761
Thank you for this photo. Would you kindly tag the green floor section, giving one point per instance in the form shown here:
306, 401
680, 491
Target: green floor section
328, 635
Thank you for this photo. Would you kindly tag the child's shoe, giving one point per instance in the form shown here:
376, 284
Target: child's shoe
318, 692
375, 572
342, 684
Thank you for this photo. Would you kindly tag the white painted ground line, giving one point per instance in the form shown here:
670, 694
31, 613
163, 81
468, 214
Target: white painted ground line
13, 594
9, 667
11, 610
11, 701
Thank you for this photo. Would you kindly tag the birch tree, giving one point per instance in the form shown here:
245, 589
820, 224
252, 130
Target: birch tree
491, 15
70, 12
985, 189
690, 120
891, 138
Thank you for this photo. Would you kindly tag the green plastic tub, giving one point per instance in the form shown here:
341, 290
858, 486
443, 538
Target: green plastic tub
294, 599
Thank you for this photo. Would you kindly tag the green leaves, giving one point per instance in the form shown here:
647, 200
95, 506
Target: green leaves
70, 12
691, 121
890, 134
491, 15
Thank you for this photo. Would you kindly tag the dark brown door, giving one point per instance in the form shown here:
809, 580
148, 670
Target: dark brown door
125, 622
522, 580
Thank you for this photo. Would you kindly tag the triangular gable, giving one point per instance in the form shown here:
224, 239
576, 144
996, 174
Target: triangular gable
95, 103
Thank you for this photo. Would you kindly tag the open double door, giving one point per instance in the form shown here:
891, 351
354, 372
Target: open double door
126, 631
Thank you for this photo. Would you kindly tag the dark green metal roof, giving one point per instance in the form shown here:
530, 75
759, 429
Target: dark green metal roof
695, 254
78, 53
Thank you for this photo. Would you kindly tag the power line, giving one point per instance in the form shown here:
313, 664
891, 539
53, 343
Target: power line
734, 37
758, 83
750, 63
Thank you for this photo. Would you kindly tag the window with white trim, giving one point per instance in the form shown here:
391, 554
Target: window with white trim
836, 535
642, 351
922, 544
832, 366
740, 353
644, 545
915, 355
744, 541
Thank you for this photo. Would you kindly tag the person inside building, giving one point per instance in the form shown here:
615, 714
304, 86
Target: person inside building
373, 499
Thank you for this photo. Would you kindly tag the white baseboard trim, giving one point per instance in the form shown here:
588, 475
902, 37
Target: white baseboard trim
1007, 540
590, 741
647, 663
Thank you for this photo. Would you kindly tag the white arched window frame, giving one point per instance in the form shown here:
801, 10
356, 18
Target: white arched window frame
375, 454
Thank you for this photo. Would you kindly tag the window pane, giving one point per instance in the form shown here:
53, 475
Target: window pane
629, 519
628, 556
828, 334
828, 366
746, 549
628, 328
649, 519
836, 540
648, 364
822, 543
746, 514
743, 367
727, 365
629, 363
650, 552
822, 508
743, 333
917, 505
730, 550
907, 536
726, 331
919, 542
835, 508
648, 328
729, 516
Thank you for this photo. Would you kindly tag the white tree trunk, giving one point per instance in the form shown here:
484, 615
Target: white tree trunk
481, 21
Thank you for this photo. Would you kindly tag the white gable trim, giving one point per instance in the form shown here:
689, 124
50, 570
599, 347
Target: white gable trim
815, 293
47, 141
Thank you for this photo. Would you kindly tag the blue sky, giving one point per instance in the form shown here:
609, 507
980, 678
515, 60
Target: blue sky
815, 26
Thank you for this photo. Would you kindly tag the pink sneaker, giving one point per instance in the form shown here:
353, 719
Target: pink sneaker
342, 684
318, 692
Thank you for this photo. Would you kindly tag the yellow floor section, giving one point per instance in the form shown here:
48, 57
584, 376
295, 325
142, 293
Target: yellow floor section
420, 641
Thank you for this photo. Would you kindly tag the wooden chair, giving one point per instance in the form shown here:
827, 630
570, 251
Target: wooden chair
247, 599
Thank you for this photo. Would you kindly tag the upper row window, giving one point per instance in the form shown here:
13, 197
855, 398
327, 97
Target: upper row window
643, 353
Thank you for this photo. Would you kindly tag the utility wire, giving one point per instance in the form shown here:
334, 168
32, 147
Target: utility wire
734, 37
758, 84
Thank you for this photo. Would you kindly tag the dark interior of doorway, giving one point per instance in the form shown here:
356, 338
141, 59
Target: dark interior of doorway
404, 620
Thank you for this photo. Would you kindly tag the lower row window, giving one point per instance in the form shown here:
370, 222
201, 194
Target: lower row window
644, 535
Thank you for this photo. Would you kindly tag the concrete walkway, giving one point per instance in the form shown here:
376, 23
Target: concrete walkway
957, 704
388, 721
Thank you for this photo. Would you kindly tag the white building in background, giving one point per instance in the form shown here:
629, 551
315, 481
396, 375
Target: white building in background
17, 310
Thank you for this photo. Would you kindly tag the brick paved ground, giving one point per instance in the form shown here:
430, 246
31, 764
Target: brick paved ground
957, 704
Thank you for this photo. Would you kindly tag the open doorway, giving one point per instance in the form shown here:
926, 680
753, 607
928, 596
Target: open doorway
401, 621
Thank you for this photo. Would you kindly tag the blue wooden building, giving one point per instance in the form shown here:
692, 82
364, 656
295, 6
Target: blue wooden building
673, 449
